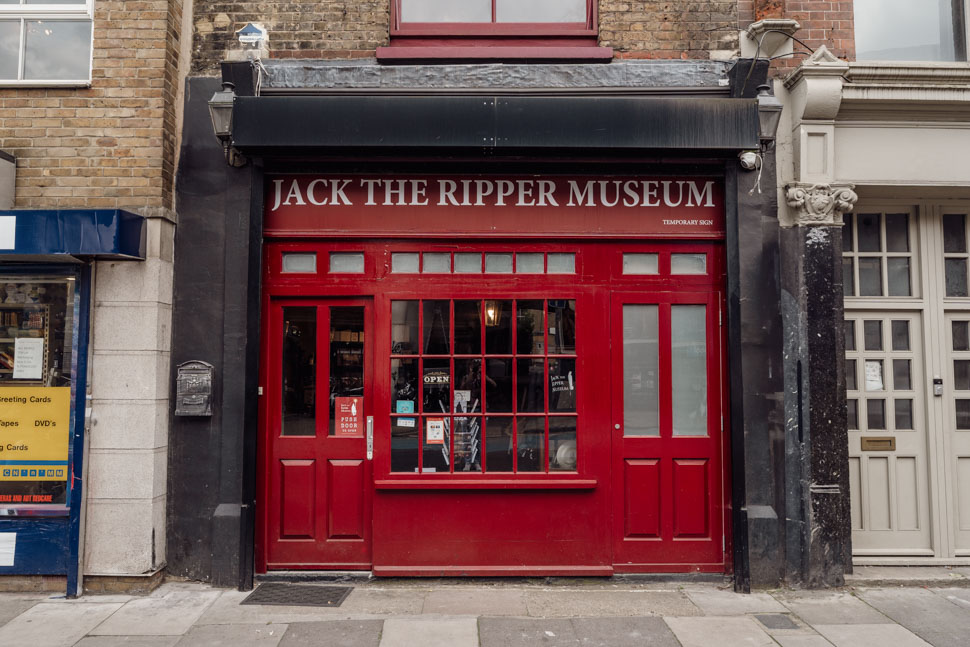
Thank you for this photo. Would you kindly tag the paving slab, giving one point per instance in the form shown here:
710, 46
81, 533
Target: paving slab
55, 625
476, 602
878, 576
428, 632
831, 608
959, 597
128, 641
932, 617
385, 601
881, 635
10, 608
226, 610
336, 633
525, 632
806, 640
704, 632
623, 632
729, 603
233, 636
574, 604
168, 614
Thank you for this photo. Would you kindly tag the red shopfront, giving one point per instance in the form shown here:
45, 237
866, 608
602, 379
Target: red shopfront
493, 375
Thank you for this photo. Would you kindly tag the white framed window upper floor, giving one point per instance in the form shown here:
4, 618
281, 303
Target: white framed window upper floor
45, 43
904, 30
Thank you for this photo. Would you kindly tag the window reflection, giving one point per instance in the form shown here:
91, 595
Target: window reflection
299, 371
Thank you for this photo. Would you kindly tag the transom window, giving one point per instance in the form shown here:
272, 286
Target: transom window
493, 11
877, 255
45, 43
483, 385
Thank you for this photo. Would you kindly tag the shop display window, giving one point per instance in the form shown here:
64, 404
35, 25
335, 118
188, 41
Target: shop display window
483, 386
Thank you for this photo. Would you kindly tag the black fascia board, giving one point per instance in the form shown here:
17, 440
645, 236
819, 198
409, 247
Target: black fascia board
502, 124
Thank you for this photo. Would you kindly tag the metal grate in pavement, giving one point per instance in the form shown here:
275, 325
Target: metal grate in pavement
298, 595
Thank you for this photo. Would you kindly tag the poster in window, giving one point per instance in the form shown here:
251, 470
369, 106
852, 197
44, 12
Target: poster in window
435, 434
562, 385
34, 434
349, 414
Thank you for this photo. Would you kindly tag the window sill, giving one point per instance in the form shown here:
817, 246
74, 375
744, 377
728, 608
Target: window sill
485, 484
443, 53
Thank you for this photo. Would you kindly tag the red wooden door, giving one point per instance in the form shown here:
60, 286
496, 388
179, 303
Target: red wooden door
668, 496
318, 476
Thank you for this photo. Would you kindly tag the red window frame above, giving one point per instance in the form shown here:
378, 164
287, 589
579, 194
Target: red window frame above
494, 41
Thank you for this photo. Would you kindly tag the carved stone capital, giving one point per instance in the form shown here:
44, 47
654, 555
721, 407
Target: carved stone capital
819, 204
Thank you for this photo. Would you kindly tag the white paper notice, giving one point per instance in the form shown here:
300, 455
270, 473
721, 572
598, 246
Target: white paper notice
874, 376
8, 232
28, 358
8, 547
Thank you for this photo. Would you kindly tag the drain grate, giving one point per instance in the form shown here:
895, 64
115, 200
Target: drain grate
298, 595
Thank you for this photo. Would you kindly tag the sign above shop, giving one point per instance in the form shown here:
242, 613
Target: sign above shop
491, 205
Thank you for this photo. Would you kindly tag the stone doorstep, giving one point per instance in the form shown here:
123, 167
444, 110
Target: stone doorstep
914, 576
127, 584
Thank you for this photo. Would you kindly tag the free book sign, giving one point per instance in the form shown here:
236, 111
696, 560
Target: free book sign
348, 417
676, 207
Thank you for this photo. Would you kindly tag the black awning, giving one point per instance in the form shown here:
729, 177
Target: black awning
502, 124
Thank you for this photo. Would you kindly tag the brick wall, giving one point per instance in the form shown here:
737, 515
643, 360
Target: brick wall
823, 22
672, 29
107, 145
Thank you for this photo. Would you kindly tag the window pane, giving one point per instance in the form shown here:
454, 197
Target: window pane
963, 414
446, 11
347, 263
900, 335
688, 263
562, 444
897, 232
9, 48
529, 328
404, 327
904, 414
301, 263
562, 326
852, 410
540, 10
954, 233
873, 334
346, 355
404, 386
58, 50
498, 444
562, 384
532, 437
406, 262
498, 385
897, 271
870, 277
956, 277
561, 264
869, 238
961, 374
530, 380
961, 335
688, 356
902, 376
299, 371
498, 263
468, 386
404, 444
849, 334
640, 264
847, 233
468, 327
850, 377
848, 277
437, 383
529, 263
876, 414
903, 30
468, 263
498, 327
437, 263
436, 318
641, 409
437, 444
468, 444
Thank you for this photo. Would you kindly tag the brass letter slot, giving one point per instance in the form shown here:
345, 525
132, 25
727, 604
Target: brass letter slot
881, 444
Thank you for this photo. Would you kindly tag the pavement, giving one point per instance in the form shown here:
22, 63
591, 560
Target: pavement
880, 607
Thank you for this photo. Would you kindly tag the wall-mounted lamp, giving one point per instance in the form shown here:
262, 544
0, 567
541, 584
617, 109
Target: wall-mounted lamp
220, 111
769, 116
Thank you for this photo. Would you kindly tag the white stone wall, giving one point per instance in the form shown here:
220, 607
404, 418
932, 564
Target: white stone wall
128, 439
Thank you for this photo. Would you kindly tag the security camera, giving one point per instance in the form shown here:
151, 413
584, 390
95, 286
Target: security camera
750, 160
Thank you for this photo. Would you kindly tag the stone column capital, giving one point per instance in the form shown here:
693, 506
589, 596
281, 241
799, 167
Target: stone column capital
819, 204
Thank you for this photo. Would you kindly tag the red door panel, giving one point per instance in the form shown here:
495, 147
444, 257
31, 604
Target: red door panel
692, 502
297, 494
642, 498
346, 504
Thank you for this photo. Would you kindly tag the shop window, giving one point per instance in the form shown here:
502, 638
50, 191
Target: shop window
956, 253
877, 255
483, 386
45, 43
903, 30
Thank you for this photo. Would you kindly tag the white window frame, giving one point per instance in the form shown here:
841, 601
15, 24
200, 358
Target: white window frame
53, 12
966, 39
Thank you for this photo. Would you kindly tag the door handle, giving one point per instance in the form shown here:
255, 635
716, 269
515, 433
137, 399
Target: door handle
370, 438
